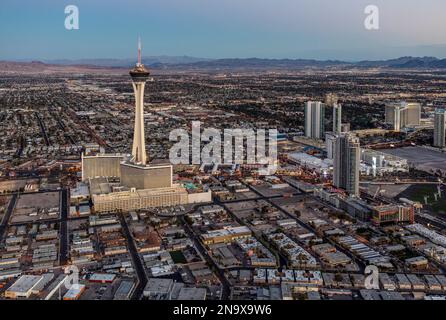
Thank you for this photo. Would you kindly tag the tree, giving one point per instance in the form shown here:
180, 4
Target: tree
297, 213
338, 277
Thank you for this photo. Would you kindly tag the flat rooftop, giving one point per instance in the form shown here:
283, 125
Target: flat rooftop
192, 294
25, 283
158, 286
420, 156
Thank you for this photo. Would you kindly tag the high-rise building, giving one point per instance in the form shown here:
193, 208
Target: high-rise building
314, 120
139, 76
403, 114
138, 173
413, 114
439, 128
393, 116
337, 118
345, 127
142, 185
346, 162
330, 144
331, 99
101, 165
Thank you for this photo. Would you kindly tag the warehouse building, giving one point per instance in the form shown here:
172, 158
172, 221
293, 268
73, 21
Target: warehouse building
23, 287
124, 290
225, 235
75, 292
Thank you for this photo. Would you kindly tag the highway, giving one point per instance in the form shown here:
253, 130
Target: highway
430, 221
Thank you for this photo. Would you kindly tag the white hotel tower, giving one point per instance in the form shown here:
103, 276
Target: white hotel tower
139, 76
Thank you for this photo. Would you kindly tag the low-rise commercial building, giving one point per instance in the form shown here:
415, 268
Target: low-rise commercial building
23, 287
393, 214
225, 235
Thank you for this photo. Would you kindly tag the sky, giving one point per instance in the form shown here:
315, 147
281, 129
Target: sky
317, 29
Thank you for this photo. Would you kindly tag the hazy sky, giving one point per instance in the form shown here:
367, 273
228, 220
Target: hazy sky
321, 29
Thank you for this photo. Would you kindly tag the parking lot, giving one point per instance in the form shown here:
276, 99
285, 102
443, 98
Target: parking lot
32, 207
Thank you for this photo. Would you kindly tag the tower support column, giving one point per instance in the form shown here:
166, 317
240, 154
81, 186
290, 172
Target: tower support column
139, 143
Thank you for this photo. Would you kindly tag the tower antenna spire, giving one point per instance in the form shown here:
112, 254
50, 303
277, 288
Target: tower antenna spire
139, 50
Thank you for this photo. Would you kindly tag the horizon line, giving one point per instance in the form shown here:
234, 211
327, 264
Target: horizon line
45, 60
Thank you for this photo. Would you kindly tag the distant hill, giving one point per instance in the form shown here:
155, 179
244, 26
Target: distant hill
406, 62
40, 67
153, 60
192, 63
265, 63
403, 62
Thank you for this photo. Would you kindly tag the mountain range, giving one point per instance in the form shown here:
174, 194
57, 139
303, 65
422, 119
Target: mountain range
149, 61
186, 62
193, 62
